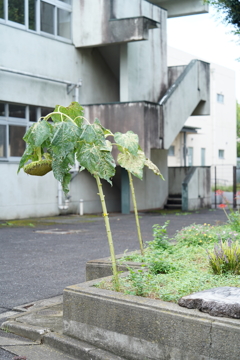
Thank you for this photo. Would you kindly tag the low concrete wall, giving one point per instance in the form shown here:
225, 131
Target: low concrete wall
99, 268
139, 328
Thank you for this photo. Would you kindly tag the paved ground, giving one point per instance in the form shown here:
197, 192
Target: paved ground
41, 257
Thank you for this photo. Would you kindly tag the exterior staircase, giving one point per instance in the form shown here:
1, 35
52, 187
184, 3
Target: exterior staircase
174, 202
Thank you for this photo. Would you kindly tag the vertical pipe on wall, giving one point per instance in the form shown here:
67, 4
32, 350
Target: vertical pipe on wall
234, 187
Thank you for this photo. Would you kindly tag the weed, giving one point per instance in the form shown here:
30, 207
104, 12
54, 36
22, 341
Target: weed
225, 257
160, 237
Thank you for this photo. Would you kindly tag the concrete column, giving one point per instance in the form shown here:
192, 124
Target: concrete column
123, 72
125, 192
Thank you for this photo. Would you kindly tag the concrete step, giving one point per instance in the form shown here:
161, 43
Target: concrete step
173, 206
49, 345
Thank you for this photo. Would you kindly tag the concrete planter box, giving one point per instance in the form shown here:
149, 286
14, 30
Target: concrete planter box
99, 268
138, 328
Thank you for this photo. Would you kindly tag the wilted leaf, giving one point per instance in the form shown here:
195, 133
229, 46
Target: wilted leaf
61, 167
134, 164
97, 162
154, 168
38, 133
129, 141
65, 135
29, 154
74, 111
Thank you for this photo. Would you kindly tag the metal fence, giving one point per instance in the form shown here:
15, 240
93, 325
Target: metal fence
225, 182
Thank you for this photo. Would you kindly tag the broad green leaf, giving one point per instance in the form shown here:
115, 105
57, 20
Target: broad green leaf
134, 164
104, 130
38, 133
74, 111
129, 141
29, 154
97, 162
107, 147
61, 169
154, 168
94, 133
65, 136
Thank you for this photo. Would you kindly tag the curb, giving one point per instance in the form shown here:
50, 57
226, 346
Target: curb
76, 348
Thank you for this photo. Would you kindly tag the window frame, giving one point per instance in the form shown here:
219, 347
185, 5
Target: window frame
171, 151
220, 98
57, 5
222, 157
14, 121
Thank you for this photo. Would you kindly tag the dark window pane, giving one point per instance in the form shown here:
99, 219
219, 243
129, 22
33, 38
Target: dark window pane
2, 109
16, 143
17, 111
1, 9
3, 141
16, 11
47, 18
45, 111
64, 23
33, 113
32, 14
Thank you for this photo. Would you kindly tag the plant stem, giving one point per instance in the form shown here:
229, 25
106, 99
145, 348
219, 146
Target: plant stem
109, 233
39, 153
136, 213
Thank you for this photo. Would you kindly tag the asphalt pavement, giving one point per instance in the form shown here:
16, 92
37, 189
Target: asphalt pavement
40, 257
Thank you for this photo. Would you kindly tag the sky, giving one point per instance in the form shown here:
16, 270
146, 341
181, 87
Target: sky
206, 37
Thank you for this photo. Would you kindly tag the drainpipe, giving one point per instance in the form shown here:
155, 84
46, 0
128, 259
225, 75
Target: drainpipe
60, 204
81, 207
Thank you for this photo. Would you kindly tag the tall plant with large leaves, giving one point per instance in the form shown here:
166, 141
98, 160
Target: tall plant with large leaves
132, 158
56, 146
59, 143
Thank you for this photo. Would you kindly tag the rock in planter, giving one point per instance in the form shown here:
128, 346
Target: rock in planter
222, 301
137, 328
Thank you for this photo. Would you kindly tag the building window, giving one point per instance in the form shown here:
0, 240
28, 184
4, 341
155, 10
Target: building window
47, 17
16, 11
220, 98
171, 151
221, 154
203, 156
190, 156
1, 9
14, 121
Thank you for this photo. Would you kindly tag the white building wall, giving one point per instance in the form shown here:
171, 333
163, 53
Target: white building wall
217, 131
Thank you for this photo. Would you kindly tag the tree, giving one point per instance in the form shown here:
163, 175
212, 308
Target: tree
238, 130
230, 9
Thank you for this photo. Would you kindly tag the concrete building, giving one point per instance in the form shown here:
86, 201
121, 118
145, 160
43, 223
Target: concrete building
208, 140
111, 56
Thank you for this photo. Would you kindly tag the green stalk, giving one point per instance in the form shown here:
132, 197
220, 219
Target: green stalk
136, 213
109, 233
39, 153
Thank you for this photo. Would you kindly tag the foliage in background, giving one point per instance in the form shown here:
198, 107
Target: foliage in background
230, 11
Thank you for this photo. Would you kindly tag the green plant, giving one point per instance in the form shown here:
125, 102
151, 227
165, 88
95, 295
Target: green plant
55, 146
160, 266
225, 257
132, 158
71, 137
160, 237
233, 216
